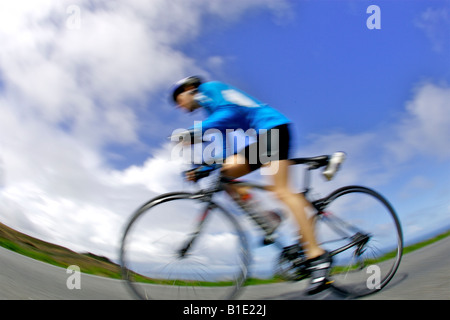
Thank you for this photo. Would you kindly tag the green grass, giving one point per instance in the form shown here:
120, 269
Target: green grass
29, 253
56, 255
425, 243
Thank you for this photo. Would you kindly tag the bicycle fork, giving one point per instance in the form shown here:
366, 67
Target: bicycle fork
193, 236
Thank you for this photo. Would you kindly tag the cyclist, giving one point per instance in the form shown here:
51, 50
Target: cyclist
229, 108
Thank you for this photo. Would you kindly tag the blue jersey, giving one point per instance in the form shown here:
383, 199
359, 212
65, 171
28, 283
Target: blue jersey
230, 108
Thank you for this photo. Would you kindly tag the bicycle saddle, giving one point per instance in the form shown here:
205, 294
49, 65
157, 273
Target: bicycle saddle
313, 162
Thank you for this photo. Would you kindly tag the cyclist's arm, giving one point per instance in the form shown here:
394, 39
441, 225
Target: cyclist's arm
221, 119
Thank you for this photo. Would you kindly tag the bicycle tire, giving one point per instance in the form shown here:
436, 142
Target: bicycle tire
371, 222
207, 271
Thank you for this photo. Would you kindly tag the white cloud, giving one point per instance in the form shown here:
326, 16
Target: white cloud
70, 87
406, 160
160, 173
425, 127
422, 131
84, 77
66, 93
435, 22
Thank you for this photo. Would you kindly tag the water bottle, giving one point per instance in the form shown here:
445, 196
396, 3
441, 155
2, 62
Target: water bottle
268, 221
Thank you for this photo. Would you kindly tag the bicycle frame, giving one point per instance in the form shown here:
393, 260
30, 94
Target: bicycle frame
336, 233
359, 238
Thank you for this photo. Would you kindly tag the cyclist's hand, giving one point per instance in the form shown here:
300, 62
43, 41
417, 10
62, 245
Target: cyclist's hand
200, 172
190, 175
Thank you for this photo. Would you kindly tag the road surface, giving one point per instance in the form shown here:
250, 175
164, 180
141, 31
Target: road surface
423, 274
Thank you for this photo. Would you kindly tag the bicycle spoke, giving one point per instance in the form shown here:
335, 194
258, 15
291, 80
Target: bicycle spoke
349, 211
177, 263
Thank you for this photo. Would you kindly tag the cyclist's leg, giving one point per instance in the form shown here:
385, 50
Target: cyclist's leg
278, 145
319, 261
239, 165
236, 166
298, 205
268, 220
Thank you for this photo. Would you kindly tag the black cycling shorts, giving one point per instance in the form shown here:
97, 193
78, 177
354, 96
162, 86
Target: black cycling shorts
271, 145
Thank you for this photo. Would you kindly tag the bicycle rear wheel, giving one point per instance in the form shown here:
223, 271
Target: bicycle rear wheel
362, 231
183, 246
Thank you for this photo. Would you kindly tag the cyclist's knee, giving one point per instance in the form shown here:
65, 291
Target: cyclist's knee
235, 171
235, 167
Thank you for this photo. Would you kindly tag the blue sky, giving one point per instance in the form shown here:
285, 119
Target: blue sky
324, 68
85, 113
332, 76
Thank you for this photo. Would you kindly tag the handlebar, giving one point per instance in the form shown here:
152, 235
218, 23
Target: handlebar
204, 170
331, 163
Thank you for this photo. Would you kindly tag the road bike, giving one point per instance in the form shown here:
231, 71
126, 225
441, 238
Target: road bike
193, 245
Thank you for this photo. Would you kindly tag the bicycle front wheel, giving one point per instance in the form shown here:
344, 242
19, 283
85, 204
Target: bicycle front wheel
184, 246
362, 231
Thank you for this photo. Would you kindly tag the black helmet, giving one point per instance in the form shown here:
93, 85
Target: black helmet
179, 86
